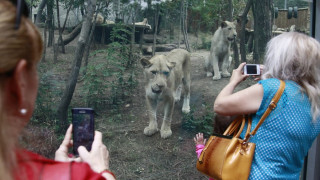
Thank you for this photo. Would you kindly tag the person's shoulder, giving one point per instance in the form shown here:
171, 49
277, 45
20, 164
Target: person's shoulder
269, 81
24, 155
271, 84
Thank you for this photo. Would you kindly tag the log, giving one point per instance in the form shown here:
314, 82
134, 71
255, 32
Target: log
147, 50
71, 36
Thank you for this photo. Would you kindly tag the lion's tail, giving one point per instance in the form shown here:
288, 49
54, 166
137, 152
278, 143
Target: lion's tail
186, 70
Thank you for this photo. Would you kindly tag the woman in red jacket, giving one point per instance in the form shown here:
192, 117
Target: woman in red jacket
20, 52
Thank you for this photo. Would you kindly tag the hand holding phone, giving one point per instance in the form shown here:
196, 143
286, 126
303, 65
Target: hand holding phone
98, 157
83, 128
62, 154
251, 69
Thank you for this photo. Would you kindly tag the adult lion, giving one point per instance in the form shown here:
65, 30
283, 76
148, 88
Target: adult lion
219, 57
165, 76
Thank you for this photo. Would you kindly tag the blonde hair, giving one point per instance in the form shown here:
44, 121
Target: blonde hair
295, 56
16, 44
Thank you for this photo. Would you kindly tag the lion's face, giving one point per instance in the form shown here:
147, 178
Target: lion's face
157, 72
229, 30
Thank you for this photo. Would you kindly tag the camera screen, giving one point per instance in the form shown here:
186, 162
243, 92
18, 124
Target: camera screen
83, 131
251, 69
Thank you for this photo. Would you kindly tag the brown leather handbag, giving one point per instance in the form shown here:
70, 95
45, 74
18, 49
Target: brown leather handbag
227, 157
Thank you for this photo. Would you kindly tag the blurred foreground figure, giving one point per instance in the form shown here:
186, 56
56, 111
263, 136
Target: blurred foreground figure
20, 52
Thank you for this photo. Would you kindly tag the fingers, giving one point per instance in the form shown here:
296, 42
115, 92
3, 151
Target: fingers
97, 140
62, 153
261, 68
199, 139
78, 159
83, 153
241, 66
67, 138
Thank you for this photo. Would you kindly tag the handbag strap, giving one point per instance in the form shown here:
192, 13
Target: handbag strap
235, 124
272, 106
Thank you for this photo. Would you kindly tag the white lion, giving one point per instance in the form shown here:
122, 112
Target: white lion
165, 76
99, 19
144, 23
219, 57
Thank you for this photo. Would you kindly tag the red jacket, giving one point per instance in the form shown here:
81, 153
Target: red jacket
32, 166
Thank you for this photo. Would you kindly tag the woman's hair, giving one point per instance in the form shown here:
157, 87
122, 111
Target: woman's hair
16, 44
295, 56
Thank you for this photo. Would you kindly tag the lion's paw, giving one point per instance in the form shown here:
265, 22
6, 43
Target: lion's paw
225, 74
215, 78
186, 110
209, 74
176, 98
165, 133
150, 131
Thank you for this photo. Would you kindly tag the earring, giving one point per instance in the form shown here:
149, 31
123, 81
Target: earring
23, 111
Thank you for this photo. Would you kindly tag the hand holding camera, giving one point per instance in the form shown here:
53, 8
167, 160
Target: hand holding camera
254, 69
251, 69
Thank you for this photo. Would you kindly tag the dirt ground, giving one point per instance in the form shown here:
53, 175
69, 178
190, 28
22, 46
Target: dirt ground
134, 156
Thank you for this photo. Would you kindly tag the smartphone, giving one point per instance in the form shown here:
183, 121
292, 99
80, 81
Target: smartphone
83, 128
251, 69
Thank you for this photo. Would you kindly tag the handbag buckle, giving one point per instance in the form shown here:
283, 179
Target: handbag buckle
246, 139
272, 105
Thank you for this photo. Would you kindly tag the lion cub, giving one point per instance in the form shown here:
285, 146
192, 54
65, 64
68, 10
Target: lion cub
165, 76
219, 58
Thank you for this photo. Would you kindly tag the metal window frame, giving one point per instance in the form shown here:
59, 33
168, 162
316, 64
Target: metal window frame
312, 163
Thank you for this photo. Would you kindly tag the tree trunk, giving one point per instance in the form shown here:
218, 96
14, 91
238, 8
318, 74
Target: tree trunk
71, 36
133, 33
230, 10
62, 110
262, 15
50, 22
55, 48
42, 4
60, 40
88, 46
184, 27
43, 59
155, 31
243, 31
55, 52
235, 42
117, 9
30, 10
180, 23
65, 20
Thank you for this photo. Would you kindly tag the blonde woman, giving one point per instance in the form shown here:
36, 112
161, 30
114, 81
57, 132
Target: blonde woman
20, 52
283, 140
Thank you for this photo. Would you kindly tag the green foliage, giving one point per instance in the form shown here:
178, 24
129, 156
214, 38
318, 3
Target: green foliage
207, 14
196, 124
206, 43
108, 81
120, 34
47, 93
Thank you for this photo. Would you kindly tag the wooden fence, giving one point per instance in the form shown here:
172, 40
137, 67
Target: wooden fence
302, 22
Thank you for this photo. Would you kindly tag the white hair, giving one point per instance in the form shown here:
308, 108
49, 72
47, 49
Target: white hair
295, 56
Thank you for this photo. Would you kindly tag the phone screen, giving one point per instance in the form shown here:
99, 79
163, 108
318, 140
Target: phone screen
252, 69
83, 128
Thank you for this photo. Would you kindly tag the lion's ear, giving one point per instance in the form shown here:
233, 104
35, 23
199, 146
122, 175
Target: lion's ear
235, 22
223, 24
171, 64
145, 62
